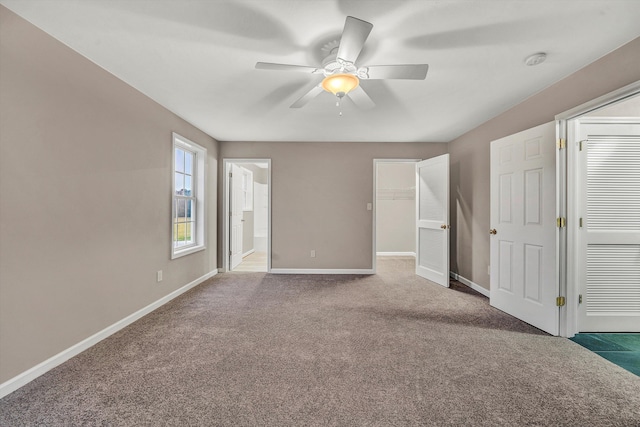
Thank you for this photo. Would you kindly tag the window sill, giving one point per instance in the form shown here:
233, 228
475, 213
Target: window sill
186, 251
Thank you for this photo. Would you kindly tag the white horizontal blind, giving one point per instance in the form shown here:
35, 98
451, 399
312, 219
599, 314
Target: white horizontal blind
613, 207
613, 183
613, 278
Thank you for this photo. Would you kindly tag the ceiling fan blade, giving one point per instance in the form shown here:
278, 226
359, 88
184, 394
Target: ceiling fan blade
361, 98
407, 71
285, 67
354, 35
315, 91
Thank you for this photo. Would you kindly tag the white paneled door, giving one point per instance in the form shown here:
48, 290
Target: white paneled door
432, 219
524, 279
608, 193
235, 197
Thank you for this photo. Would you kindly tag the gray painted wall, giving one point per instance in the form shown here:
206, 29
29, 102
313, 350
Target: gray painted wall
85, 198
247, 231
470, 152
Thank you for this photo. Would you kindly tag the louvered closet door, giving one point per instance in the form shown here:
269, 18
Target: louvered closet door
609, 239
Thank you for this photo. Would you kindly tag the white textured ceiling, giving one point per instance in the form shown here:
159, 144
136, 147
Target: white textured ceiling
197, 58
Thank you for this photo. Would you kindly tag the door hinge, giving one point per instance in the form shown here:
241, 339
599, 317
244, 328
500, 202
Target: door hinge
580, 299
580, 144
560, 301
561, 143
230, 253
580, 222
561, 222
230, 174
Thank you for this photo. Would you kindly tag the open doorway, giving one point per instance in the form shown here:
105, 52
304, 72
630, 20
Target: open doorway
395, 208
247, 210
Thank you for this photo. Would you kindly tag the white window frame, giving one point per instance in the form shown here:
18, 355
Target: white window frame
247, 190
198, 190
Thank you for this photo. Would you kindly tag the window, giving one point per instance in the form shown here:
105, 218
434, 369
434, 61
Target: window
247, 190
188, 220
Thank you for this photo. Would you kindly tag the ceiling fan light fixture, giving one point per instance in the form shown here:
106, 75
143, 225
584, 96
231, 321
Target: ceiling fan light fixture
340, 84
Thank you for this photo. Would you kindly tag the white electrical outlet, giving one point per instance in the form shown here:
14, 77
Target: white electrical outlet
313, 253
159, 276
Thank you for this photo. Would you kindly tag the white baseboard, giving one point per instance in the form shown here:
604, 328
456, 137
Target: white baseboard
470, 284
321, 271
249, 252
29, 375
413, 254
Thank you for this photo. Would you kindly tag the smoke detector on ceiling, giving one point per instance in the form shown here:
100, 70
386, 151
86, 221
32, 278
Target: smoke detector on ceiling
535, 59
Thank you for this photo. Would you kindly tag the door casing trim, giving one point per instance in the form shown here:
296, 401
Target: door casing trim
375, 195
566, 201
226, 164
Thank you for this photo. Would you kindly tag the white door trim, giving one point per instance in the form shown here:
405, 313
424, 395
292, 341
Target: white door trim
566, 170
226, 164
375, 194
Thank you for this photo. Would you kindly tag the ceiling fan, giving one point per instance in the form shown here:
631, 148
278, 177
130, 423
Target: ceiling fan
341, 75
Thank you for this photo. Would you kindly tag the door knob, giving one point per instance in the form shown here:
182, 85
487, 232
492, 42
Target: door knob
443, 226
493, 231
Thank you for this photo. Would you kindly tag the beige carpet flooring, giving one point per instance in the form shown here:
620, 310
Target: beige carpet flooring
254, 349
